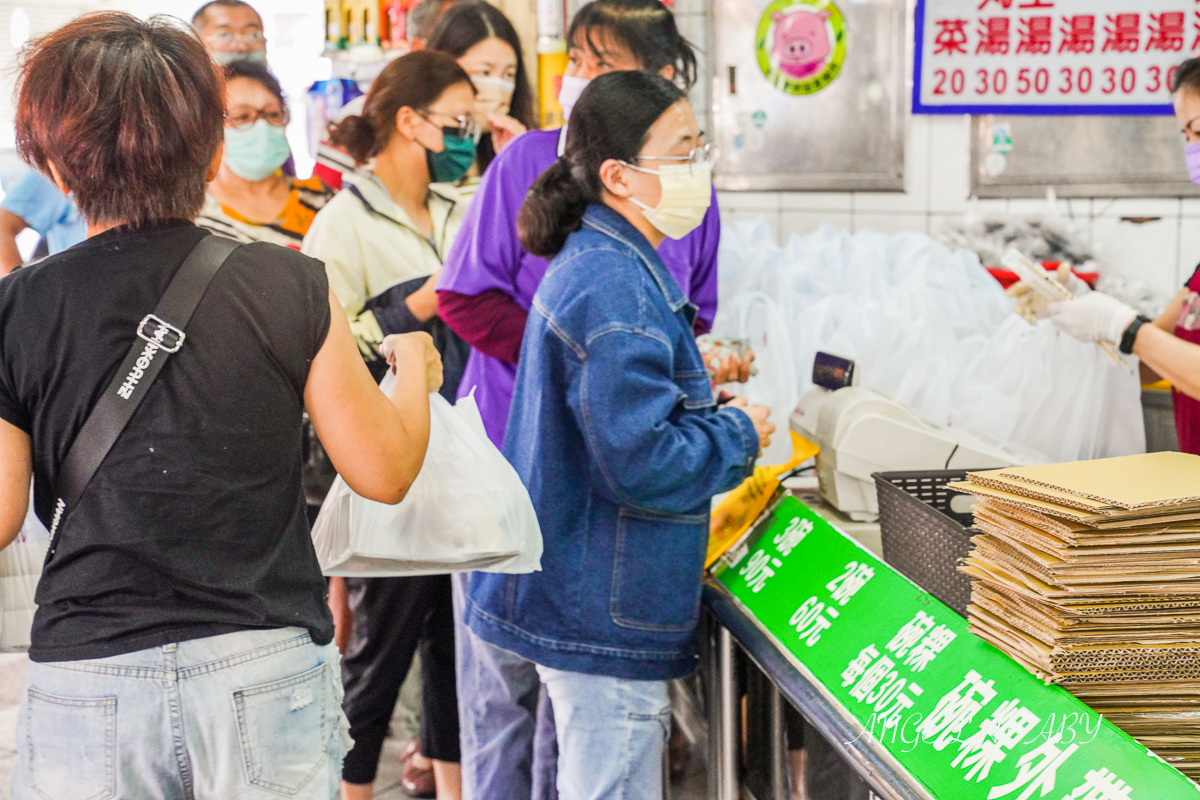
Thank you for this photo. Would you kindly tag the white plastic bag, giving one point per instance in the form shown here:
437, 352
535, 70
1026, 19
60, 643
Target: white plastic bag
20, 569
756, 318
467, 510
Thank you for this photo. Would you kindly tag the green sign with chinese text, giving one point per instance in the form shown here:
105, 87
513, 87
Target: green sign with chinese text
963, 718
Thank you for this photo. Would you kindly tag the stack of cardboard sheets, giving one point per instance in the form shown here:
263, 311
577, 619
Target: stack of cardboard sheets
1089, 574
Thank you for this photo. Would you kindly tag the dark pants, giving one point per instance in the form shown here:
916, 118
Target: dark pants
393, 617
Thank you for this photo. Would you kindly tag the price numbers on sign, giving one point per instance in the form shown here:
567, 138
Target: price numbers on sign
1041, 82
1051, 56
814, 616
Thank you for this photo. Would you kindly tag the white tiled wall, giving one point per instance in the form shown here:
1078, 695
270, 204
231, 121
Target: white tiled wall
1162, 252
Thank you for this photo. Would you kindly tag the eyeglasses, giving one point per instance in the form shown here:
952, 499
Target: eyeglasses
226, 38
698, 157
244, 117
464, 127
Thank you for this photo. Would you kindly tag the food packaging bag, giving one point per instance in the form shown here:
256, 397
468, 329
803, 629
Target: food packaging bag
467, 510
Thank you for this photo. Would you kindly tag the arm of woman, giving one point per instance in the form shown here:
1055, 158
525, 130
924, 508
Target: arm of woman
10, 255
1170, 357
1166, 321
376, 442
16, 469
491, 322
643, 454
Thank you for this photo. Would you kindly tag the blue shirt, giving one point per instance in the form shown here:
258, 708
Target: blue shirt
614, 431
35, 199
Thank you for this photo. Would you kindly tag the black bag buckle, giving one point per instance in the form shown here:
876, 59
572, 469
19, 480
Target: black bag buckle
164, 334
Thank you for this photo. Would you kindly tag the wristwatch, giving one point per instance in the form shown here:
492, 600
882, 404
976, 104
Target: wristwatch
1130, 335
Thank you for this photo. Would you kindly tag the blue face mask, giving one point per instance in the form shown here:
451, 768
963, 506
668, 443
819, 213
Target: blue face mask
254, 152
454, 161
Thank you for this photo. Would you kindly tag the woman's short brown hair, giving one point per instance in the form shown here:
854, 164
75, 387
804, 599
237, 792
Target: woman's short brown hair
129, 114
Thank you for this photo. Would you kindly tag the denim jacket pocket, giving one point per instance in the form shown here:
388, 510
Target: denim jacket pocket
72, 746
697, 389
284, 731
657, 571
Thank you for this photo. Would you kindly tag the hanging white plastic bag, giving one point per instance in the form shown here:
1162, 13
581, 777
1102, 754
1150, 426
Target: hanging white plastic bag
467, 510
759, 321
20, 569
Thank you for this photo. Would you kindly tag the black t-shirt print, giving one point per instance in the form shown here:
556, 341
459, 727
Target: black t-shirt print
195, 523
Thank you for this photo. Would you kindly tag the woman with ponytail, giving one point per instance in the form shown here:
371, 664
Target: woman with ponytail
383, 238
484, 294
614, 430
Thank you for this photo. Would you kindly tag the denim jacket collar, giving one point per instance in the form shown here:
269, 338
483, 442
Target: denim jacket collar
607, 221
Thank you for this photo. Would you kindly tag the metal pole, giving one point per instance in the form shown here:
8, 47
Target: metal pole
779, 746
730, 731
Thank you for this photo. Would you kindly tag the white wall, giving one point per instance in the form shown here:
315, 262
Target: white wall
1163, 253
295, 38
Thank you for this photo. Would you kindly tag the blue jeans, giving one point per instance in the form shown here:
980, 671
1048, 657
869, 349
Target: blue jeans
250, 715
612, 734
506, 734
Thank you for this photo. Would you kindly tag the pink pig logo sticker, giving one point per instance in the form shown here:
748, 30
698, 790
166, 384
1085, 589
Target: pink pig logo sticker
801, 44
801, 41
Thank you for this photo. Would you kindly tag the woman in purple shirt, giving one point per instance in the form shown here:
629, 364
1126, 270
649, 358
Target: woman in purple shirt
488, 280
484, 295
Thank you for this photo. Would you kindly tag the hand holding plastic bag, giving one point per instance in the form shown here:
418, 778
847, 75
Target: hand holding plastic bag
467, 510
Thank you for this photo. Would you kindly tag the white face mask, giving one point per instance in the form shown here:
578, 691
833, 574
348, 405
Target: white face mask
492, 96
686, 197
568, 93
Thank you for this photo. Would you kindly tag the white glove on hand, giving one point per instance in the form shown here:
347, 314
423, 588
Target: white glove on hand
1075, 284
1033, 306
1094, 317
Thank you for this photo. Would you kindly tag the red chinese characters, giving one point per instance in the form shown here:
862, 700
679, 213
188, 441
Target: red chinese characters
1166, 32
1036, 35
1123, 33
994, 36
1007, 4
951, 37
1078, 34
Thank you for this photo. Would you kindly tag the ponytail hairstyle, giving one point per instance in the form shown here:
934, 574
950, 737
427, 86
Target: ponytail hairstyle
645, 27
612, 120
415, 80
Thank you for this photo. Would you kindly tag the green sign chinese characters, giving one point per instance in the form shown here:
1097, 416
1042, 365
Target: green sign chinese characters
963, 718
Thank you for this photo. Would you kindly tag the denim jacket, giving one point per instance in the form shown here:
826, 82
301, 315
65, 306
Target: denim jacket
614, 431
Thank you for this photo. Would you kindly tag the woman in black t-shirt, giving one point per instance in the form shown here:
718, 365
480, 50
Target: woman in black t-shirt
182, 645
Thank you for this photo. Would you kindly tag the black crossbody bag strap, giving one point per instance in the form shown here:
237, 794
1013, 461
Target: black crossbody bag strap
159, 335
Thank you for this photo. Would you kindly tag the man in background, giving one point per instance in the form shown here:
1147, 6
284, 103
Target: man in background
231, 30
35, 202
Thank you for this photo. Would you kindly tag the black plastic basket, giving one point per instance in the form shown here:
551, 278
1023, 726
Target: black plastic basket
923, 538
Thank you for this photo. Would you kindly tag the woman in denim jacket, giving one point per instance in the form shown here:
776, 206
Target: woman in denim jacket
614, 430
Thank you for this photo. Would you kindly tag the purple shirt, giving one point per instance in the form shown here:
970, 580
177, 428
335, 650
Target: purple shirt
486, 255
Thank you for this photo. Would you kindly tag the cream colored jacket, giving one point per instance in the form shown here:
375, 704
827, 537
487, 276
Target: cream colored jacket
369, 245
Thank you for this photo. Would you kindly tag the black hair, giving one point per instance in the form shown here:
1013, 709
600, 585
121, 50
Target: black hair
257, 73
465, 25
1187, 76
128, 112
415, 80
646, 27
198, 19
611, 120
423, 17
